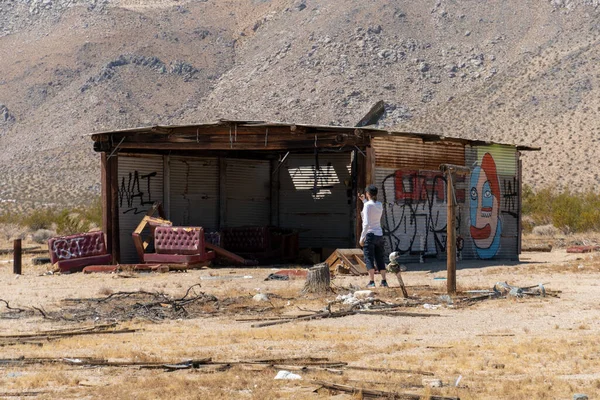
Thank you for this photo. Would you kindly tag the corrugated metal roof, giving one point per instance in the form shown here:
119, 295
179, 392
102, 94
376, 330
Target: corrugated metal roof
376, 132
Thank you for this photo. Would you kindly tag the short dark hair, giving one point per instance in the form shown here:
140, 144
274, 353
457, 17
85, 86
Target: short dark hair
372, 190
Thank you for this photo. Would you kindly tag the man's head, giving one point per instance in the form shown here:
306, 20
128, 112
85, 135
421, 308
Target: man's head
372, 192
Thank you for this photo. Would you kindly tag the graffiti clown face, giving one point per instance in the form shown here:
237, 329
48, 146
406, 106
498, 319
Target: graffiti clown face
486, 226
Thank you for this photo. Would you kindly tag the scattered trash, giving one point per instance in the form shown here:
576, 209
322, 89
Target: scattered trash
287, 375
434, 383
446, 299
276, 277
439, 278
431, 306
291, 273
582, 249
354, 298
260, 297
363, 294
498, 366
458, 380
14, 374
41, 260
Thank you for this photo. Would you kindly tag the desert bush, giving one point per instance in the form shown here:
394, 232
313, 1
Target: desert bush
545, 230
567, 211
42, 235
64, 221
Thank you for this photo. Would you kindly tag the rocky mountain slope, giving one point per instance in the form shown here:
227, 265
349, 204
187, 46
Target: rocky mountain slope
504, 70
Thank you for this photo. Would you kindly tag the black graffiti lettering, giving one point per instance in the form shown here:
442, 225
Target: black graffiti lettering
414, 222
510, 197
130, 192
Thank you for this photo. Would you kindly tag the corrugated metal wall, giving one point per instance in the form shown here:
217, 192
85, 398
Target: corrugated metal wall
140, 185
414, 194
415, 205
194, 192
494, 203
316, 201
248, 192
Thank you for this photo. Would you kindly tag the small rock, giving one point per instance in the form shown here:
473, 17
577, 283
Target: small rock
423, 67
580, 396
468, 33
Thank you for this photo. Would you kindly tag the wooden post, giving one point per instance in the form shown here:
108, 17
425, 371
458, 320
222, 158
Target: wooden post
449, 169
113, 168
17, 256
451, 235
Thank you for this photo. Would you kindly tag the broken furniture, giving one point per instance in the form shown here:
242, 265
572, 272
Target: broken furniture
250, 242
73, 253
179, 245
141, 243
347, 261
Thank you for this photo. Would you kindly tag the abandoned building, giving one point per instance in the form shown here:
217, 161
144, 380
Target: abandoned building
305, 179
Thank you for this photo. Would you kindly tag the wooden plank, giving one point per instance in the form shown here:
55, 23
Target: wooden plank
227, 254
113, 176
370, 167
106, 199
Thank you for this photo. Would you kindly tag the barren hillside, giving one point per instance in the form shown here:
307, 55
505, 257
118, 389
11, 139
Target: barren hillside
510, 71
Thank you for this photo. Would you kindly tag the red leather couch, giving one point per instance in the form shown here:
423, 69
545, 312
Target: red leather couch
73, 253
179, 245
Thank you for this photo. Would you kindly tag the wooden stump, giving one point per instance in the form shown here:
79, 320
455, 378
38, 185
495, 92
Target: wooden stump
318, 279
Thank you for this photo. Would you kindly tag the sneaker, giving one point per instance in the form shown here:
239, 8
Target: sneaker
371, 284
384, 284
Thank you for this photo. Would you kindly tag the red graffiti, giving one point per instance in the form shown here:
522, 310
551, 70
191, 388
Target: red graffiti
421, 185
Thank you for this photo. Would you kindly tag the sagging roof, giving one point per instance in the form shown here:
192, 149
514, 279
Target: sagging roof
210, 132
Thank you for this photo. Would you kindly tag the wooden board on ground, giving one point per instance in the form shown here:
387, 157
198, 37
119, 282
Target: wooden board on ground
347, 261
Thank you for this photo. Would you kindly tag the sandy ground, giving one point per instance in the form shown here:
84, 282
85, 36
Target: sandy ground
502, 349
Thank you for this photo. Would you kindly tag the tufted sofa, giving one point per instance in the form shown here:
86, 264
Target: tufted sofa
179, 245
263, 243
73, 253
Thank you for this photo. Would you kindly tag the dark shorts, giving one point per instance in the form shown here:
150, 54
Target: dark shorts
374, 252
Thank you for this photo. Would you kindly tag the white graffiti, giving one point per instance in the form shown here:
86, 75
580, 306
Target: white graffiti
63, 248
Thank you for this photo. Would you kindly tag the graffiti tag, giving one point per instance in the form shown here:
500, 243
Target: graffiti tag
132, 196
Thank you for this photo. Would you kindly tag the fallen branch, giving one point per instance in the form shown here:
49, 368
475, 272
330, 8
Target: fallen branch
378, 393
337, 314
19, 338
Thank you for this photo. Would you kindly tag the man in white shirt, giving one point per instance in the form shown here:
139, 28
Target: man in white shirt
371, 238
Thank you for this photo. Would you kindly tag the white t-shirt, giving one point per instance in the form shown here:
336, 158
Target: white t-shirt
371, 219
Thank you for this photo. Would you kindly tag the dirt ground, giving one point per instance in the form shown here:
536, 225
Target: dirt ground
508, 348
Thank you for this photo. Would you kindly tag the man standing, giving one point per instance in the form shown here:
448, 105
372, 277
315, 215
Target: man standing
371, 238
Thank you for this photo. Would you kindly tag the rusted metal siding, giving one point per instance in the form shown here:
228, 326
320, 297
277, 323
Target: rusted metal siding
247, 192
498, 166
399, 153
194, 192
315, 199
140, 181
413, 191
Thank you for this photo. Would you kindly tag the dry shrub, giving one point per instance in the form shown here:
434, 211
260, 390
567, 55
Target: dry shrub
545, 230
42, 235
